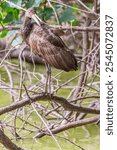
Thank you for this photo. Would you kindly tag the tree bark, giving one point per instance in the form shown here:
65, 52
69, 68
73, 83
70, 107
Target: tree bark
7, 142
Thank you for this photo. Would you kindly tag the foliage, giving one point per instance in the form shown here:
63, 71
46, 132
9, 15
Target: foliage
11, 15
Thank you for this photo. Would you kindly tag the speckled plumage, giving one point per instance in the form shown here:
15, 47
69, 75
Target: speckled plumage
49, 46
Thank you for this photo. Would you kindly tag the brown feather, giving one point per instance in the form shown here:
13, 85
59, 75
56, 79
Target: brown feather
49, 46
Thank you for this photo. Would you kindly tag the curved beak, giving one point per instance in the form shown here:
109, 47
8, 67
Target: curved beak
37, 19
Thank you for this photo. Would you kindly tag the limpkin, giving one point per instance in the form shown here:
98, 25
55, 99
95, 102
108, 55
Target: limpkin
43, 42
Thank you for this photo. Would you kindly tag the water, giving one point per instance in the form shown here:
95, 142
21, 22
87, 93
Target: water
86, 136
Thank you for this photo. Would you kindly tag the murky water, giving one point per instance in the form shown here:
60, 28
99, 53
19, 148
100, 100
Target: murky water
86, 137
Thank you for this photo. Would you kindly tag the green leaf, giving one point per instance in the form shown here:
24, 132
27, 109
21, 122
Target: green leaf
75, 8
15, 14
30, 3
46, 13
67, 15
74, 22
8, 18
4, 6
57, 7
37, 2
33, 3
12, 15
3, 33
0, 16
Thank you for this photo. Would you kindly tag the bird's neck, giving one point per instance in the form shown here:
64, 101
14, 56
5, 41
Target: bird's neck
26, 28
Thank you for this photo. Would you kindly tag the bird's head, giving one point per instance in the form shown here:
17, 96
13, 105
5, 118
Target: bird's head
30, 12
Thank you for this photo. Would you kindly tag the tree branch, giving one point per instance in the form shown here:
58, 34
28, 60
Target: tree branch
73, 28
9, 28
83, 64
7, 142
70, 125
47, 97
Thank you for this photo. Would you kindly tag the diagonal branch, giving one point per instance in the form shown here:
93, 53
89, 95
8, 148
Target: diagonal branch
69, 125
7, 142
46, 97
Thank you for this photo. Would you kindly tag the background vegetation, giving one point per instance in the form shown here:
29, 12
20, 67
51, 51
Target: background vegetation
29, 118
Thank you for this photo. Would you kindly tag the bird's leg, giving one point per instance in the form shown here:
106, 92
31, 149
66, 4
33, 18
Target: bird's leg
48, 79
46, 83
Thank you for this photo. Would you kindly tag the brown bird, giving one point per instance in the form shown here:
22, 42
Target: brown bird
46, 44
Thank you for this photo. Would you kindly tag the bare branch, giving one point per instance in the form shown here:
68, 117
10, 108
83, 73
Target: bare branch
9, 28
74, 28
83, 65
70, 125
7, 142
47, 97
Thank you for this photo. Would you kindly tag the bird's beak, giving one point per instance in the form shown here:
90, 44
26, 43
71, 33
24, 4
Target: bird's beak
37, 19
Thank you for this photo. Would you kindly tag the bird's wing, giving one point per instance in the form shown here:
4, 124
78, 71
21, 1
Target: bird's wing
52, 49
55, 40
57, 55
62, 60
